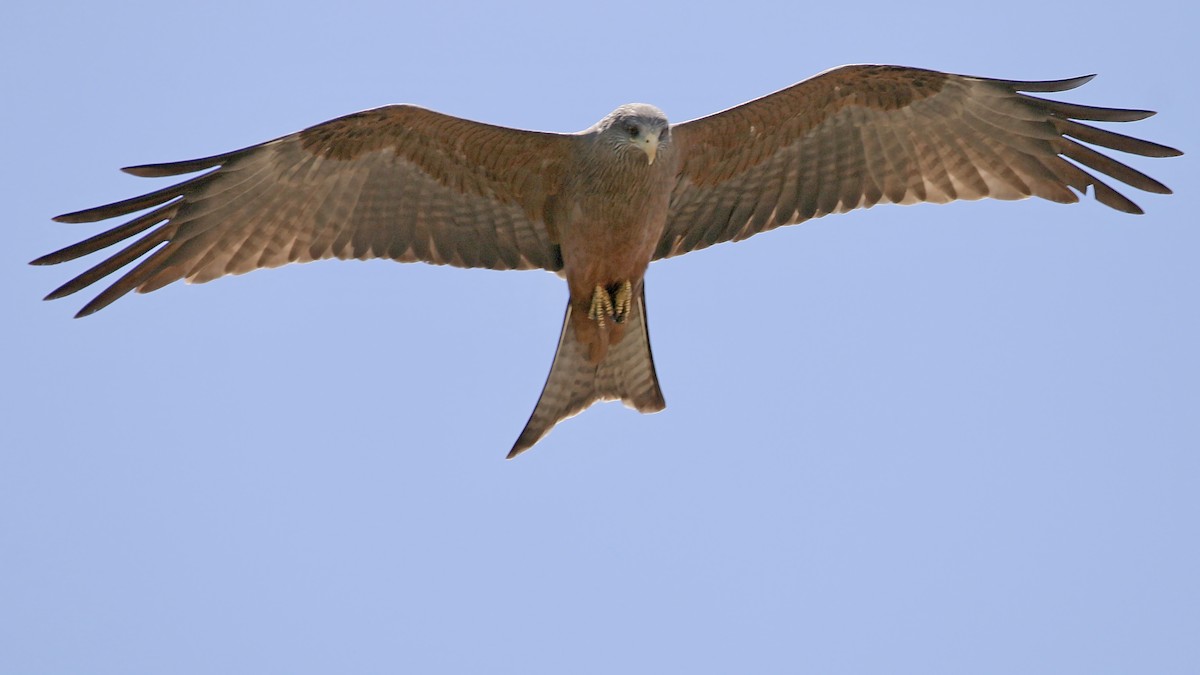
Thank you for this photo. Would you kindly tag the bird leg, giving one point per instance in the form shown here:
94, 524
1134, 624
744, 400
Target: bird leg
623, 301
602, 305
616, 305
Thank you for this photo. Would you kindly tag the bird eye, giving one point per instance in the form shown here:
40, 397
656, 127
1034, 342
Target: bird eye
633, 130
662, 135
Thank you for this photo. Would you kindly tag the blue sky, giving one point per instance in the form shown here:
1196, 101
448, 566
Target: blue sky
930, 439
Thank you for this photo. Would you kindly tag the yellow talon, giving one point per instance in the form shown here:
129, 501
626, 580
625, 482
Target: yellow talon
602, 306
623, 301
616, 305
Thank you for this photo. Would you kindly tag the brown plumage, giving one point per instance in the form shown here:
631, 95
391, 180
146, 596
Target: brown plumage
598, 206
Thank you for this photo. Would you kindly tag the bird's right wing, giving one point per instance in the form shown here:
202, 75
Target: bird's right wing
856, 136
397, 182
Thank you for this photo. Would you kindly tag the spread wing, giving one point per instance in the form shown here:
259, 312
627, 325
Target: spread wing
857, 136
397, 182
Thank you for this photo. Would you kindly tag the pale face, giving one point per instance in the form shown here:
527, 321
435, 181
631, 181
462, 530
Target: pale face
638, 126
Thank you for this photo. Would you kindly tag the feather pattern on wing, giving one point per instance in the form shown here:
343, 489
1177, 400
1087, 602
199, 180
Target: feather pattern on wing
398, 182
857, 136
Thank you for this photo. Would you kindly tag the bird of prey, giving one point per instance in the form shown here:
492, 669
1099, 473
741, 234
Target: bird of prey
597, 206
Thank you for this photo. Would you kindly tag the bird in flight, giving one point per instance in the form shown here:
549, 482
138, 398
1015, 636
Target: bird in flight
598, 206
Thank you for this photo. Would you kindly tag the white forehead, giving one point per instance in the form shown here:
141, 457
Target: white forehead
639, 111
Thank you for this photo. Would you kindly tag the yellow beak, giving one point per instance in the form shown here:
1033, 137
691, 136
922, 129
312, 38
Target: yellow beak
649, 145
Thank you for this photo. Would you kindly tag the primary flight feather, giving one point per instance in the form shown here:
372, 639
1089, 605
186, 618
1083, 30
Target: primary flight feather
598, 206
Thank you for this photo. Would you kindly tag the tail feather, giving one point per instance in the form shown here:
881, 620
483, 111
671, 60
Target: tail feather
625, 373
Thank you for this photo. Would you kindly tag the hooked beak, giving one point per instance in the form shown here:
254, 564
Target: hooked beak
649, 145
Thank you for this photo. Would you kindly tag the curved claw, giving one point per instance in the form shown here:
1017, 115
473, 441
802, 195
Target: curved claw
602, 306
623, 301
616, 305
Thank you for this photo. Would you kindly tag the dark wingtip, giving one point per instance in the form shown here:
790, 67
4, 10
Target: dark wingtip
1047, 85
186, 166
141, 170
1068, 83
168, 169
91, 308
74, 217
72, 286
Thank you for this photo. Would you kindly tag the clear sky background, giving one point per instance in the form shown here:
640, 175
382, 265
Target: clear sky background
930, 439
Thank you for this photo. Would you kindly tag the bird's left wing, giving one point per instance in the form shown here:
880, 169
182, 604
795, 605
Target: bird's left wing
856, 136
397, 182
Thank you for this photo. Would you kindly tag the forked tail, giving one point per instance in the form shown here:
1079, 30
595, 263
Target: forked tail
625, 373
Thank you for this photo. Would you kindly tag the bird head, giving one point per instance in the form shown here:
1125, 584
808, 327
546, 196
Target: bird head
637, 125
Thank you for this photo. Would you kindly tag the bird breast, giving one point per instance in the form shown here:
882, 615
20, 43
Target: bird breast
609, 222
